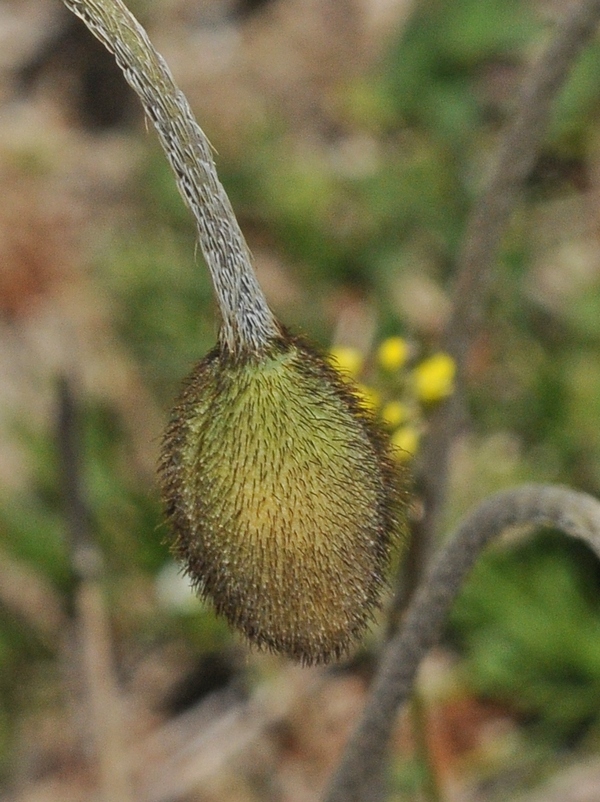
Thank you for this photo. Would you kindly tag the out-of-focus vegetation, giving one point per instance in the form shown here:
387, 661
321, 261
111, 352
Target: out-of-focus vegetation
355, 215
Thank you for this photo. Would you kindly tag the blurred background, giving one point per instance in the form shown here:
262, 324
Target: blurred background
353, 137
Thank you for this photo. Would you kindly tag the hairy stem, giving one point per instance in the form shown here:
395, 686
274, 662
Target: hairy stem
516, 157
518, 151
247, 322
576, 514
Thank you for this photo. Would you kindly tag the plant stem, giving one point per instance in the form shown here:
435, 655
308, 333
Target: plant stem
429, 784
248, 325
576, 514
93, 632
518, 151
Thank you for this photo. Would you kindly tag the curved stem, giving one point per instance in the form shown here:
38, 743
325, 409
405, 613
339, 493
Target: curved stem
576, 514
519, 149
516, 157
247, 322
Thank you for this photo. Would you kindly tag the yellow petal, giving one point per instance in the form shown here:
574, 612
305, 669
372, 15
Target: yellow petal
394, 413
392, 353
434, 377
406, 441
346, 359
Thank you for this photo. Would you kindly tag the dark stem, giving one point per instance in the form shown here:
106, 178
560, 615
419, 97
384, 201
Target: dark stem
85, 558
364, 761
576, 514
519, 149
90, 639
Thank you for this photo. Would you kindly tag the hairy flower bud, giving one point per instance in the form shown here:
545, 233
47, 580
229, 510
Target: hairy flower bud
283, 497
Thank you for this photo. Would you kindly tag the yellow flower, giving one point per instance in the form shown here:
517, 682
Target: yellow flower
394, 413
347, 360
434, 377
368, 396
406, 440
392, 353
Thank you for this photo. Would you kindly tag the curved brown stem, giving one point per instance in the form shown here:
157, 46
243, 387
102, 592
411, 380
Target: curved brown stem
576, 514
516, 158
519, 149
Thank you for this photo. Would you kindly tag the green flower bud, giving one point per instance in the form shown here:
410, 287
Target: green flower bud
284, 498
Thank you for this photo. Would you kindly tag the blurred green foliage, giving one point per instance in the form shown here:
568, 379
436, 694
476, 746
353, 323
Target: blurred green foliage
528, 623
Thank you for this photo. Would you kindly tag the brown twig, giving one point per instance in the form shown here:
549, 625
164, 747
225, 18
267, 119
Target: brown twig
576, 514
93, 636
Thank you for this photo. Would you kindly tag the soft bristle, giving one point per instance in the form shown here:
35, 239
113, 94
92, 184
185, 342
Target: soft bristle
284, 499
